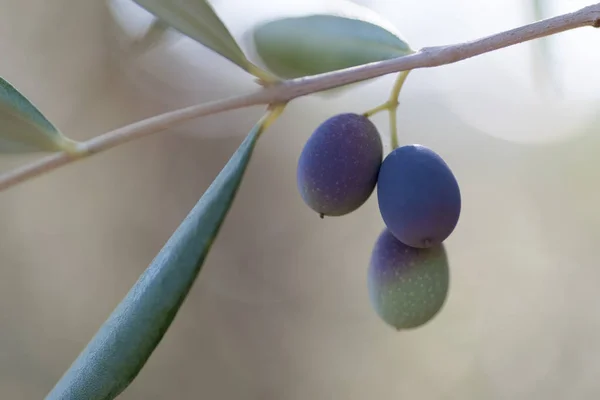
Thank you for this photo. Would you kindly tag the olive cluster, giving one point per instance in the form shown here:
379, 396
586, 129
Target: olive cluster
419, 200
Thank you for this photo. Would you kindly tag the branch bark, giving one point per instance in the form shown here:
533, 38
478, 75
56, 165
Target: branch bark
291, 89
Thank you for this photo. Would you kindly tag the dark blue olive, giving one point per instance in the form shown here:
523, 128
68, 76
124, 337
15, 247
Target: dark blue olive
339, 165
419, 198
407, 286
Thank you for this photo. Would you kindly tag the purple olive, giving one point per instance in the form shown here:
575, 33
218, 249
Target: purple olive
419, 198
338, 167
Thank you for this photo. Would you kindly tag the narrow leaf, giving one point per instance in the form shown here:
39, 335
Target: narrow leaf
309, 45
543, 72
23, 128
198, 20
123, 344
155, 34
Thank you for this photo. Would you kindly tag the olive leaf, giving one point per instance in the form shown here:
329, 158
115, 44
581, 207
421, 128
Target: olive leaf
123, 344
198, 20
23, 128
155, 34
295, 47
543, 71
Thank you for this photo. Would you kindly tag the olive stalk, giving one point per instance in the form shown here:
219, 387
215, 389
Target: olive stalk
391, 106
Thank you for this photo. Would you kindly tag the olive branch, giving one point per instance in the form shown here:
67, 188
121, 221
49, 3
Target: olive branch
287, 90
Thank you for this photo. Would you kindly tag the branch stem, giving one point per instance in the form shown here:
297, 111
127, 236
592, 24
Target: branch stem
286, 91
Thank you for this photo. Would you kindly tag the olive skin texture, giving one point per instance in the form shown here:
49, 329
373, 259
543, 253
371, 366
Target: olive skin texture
339, 164
407, 286
418, 195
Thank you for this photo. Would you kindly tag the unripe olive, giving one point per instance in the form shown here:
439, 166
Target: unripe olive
407, 286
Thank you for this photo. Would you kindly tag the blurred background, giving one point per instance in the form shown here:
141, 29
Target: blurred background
281, 309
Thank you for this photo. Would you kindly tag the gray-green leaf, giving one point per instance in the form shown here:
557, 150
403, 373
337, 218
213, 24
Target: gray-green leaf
123, 344
198, 20
310, 45
23, 128
543, 72
154, 35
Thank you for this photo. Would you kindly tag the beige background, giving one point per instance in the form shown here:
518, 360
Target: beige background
281, 309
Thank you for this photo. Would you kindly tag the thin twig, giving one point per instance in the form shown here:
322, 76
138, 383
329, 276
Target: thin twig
292, 89
126, 134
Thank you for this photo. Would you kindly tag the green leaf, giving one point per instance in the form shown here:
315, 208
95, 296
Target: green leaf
198, 20
23, 129
309, 45
123, 344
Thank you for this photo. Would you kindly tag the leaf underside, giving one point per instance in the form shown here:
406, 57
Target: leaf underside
123, 344
23, 128
198, 20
